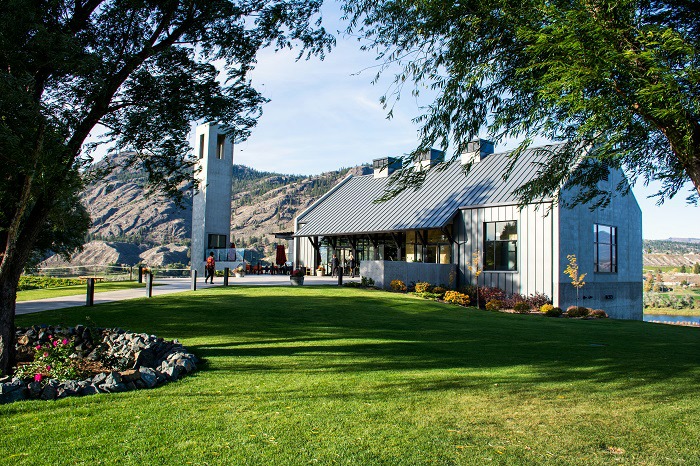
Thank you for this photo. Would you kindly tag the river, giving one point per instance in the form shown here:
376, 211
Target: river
678, 320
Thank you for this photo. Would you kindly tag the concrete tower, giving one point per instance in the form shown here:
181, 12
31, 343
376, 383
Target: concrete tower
211, 206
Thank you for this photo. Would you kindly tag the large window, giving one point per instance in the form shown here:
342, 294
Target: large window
430, 246
605, 239
501, 246
217, 242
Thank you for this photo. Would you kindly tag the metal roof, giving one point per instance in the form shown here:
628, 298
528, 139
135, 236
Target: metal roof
349, 209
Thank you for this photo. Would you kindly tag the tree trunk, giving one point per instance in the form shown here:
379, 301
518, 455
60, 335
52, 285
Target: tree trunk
8, 295
12, 262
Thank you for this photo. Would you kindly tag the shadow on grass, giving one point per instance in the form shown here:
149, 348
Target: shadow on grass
345, 331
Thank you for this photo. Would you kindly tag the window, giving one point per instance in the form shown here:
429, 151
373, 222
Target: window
201, 146
220, 141
217, 242
501, 246
605, 239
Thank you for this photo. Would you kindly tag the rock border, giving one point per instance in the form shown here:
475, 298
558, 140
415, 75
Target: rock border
139, 361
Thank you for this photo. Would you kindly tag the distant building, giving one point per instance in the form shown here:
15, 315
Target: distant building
431, 233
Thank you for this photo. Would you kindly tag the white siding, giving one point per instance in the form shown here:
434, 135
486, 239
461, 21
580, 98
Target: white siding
535, 258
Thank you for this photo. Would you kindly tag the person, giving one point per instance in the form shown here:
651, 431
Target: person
334, 265
351, 263
210, 268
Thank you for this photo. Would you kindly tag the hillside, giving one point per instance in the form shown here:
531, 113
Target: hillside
129, 227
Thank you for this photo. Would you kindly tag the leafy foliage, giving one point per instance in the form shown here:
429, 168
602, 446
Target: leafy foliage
398, 285
33, 282
141, 70
616, 81
51, 361
455, 297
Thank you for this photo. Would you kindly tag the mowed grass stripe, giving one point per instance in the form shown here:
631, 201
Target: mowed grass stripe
314, 375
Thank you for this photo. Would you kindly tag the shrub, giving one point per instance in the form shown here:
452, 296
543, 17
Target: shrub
537, 300
487, 294
422, 287
599, 314
456, 297
522, 307
494, 305
51, 361
551, 311
509, 302
33, 282
577, 311
398, 285
440, 291
366, 281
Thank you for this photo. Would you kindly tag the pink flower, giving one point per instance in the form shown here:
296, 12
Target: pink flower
38, 347
64, 341
38, 377
46, 354
55, 343
50, 337
48, 368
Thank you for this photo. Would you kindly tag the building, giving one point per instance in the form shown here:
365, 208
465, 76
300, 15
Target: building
211, 205
432, 233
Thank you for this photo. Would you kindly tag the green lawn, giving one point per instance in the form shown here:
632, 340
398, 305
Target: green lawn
313, 375
73, 290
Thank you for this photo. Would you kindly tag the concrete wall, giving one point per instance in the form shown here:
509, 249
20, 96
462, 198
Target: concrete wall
211, 205
535, 257
619, 294
383, 272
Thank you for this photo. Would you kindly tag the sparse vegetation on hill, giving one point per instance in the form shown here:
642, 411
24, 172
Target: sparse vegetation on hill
671, 246
263, 203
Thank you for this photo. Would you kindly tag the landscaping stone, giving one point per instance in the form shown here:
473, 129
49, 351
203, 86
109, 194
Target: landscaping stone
144, 361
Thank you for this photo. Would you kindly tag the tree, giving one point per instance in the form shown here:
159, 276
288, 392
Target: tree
683, 269
572, 272
696, 268
143, 71
616, 81
649, 282
475, 268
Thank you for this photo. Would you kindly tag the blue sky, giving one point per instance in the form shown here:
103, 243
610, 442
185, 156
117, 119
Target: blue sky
324, 115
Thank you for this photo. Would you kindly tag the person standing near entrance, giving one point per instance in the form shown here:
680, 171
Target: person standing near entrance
334, 265
351, 264
210, 268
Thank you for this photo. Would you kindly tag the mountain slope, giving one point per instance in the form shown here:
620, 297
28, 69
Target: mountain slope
128, 226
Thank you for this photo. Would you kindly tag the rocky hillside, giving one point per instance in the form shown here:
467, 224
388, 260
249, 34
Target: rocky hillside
129, 227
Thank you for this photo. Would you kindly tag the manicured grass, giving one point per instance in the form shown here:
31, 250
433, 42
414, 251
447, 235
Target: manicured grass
321, 375
100, 287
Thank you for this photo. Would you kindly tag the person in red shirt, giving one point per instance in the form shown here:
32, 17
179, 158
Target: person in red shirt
210, 268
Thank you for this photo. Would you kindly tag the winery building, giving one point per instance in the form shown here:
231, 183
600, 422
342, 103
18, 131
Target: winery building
432, 233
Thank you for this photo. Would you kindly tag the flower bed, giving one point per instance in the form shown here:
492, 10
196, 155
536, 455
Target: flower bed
104, 361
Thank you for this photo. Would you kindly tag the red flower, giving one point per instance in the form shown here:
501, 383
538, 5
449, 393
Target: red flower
64, 341
55, 343
38, 377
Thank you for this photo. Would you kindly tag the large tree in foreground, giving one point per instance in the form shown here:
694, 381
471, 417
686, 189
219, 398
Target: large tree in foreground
619, 78
140, 68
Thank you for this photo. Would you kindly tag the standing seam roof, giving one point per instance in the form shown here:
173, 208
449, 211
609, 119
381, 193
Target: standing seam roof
349, 209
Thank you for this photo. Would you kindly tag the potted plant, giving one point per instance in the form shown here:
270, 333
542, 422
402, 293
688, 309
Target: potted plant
320, 270
297, 277
239, 271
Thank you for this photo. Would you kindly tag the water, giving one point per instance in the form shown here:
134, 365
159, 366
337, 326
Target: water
680, 320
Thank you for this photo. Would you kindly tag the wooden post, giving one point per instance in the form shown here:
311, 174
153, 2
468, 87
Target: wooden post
340, 276
193, 280
90, 297
149, 284
140, 273
226, 272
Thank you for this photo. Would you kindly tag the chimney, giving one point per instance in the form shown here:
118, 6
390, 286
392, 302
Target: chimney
476, 151
385, 166
430, 158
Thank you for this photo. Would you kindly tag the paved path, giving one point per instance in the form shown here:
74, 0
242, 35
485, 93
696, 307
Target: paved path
166, 286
